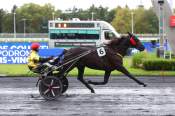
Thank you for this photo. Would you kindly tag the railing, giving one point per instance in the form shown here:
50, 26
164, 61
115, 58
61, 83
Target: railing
146, 35
45, 35
22, 35
5, 37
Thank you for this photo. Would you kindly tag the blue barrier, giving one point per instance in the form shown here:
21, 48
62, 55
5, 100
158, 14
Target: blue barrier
149, 46
50, 52
17, 52
152, 48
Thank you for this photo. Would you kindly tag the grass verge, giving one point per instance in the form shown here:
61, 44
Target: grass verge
22, 70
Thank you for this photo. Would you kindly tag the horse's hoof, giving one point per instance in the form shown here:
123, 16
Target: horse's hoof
89, 82
144, 85
92, 91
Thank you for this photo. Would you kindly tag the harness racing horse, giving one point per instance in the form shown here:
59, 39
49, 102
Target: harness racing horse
112, 60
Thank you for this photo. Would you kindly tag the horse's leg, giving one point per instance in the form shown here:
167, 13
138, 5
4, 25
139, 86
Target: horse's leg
125, 71
106, 78
80, 78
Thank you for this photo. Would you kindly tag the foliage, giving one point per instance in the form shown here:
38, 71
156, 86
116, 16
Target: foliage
7, 23
159, 64
138, 59
149, 61
37, 16
122, 22
145, 21
2, 13
99, 13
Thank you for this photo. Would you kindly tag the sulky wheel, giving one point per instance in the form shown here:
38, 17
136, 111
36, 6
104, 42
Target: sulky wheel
65, 84
50, 88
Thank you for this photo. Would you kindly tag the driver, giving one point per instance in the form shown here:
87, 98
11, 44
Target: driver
34, 60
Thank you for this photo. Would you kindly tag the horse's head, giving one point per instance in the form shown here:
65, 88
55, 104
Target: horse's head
135, 42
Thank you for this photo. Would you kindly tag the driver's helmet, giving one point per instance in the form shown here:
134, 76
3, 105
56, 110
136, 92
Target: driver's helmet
35, 46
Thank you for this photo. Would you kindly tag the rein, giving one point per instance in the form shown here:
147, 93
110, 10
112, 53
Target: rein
118, 54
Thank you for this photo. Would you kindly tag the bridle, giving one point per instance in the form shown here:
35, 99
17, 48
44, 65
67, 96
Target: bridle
132, 41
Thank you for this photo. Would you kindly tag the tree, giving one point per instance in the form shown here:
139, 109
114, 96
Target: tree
152, 21
37, 17
122, 20
7, 23
110, 16
2, 13
100, 13
145, 21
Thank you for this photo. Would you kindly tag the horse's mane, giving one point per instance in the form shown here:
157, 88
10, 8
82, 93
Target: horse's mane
116, 41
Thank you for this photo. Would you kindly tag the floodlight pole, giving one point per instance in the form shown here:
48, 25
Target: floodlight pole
92, 16
24, 21
132, 22
14, 23
53, 16
161, 28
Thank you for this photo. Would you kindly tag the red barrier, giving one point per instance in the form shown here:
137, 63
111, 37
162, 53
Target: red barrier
172, 21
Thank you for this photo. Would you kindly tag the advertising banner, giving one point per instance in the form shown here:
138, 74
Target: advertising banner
172, 21
16, 52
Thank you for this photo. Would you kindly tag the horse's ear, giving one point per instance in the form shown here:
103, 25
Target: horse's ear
130, 34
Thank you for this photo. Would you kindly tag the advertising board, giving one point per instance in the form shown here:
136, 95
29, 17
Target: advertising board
17, 52
172, 21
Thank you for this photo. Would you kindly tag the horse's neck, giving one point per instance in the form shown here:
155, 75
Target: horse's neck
120, 49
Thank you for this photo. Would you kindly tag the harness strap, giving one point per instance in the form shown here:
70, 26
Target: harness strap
118, 54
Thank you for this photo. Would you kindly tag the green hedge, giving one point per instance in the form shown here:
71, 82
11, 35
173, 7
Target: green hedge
149, 62
159, 64
138, 59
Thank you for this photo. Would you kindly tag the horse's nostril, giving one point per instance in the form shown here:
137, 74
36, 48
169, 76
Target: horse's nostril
141, 48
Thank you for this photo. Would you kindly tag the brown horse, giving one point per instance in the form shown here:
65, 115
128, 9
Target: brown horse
111, 59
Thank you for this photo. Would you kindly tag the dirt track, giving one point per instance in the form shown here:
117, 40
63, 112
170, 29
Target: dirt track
121, 97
